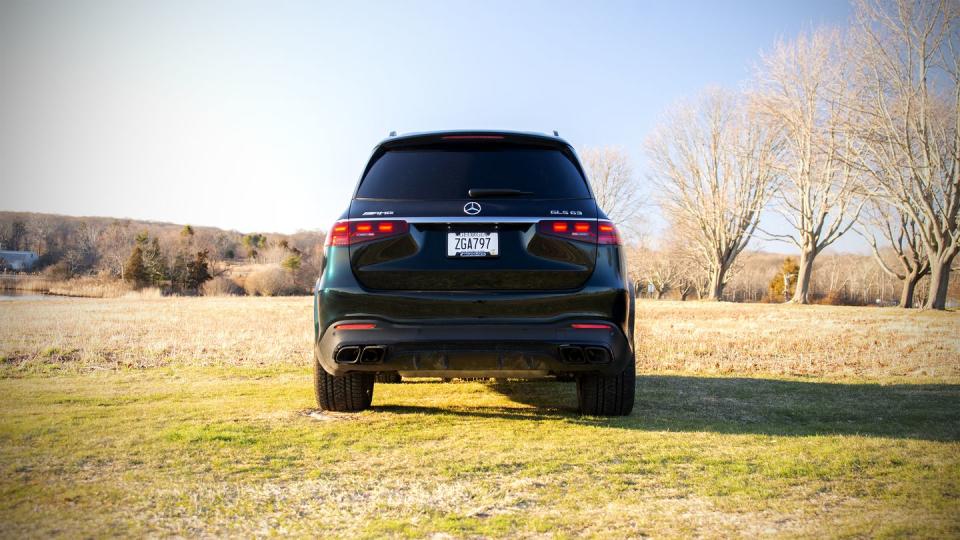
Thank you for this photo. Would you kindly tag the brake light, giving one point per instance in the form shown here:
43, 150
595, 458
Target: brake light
607, 233
472, 137
345, 233
575, 230
589, 326
339, 234
600, 232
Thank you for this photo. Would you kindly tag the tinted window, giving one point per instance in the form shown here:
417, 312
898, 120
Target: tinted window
448, 172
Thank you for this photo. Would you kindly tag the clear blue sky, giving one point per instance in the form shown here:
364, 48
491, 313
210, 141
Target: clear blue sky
260, 116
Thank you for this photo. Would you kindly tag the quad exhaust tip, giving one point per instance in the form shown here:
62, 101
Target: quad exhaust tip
584, 354
571, 354
365, 354
347, 355
597, 355
372, 354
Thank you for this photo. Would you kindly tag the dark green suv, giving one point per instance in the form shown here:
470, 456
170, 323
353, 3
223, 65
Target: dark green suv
474, 254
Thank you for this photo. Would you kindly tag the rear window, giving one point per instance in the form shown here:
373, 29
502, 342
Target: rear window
449, 171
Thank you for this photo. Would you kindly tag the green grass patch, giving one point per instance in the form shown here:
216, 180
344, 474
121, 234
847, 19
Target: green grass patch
234, 451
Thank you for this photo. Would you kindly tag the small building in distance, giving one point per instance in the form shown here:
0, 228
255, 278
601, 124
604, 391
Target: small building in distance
18, 261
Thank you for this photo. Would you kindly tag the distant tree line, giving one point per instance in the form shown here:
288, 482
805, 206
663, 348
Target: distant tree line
837, 279
185, 274
181, 259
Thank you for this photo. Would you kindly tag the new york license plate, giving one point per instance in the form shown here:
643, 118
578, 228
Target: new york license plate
473, 244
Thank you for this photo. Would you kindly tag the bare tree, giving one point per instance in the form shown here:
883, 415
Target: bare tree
694, 276
909, 120
902, 240
713, 164
802, 86
663, 270
635, 257
82, 254
834, 276
115, 245
674, 266
40, 227
686, 287
614, 185
752, 282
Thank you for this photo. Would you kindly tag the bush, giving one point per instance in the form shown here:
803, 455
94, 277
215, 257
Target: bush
292, 263
839, 297
145, 293
270, 281
58, 271
220, 286
776, 291
88, 286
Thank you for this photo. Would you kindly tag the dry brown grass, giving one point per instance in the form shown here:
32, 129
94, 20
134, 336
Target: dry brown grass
834, 341
82, 287
690, 337
142, 332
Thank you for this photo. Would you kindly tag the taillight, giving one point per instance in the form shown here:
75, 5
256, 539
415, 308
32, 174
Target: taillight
574, 230
607, 233
345, 233
600, 232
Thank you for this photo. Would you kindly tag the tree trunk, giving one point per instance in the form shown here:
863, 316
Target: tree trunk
802, 293
716, 284
684, 295
909, 286
660, 293
939, 281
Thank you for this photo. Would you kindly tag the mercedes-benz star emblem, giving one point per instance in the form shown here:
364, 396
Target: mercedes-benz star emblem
472, 208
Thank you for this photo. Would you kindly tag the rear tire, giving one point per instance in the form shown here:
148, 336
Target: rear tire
607, 395
389, 377
352, 392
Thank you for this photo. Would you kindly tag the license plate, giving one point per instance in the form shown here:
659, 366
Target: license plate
473, 244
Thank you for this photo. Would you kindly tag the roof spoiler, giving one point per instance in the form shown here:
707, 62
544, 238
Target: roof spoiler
416, 139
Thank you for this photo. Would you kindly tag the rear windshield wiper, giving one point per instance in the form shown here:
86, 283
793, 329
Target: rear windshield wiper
496, 192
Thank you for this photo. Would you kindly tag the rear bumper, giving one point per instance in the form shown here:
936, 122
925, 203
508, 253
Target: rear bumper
475, 349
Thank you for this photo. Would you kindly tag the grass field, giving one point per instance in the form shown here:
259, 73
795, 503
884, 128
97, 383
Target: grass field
194, 417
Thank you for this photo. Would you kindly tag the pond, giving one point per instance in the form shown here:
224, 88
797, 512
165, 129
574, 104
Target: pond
8, 294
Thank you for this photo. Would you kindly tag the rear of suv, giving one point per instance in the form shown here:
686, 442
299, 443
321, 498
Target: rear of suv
474, 254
